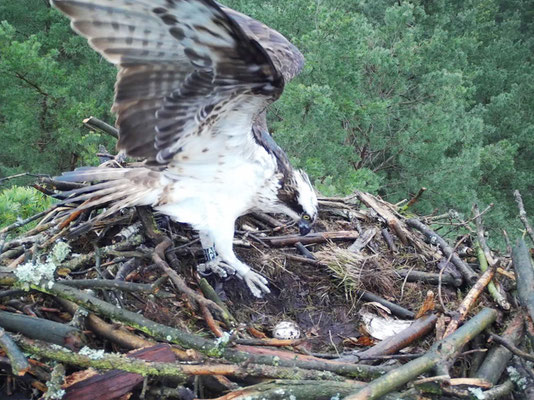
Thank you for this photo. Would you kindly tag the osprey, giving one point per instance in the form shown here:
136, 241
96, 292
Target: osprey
194, 80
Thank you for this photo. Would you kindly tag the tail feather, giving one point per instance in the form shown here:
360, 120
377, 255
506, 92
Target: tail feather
122, 187
90, 188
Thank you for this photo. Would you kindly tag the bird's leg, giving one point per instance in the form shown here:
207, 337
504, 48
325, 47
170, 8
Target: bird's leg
223, 239
212, 262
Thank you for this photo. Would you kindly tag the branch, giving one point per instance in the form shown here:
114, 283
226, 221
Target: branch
43, 329
158, 258
19, 363
399, 311
469, 300
430, 277
99, 125
414, 199
524, 272
523, 214
312, 238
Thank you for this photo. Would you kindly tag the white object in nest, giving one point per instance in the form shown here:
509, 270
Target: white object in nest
381, 328
286, 330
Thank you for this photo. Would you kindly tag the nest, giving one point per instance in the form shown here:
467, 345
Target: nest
141, 269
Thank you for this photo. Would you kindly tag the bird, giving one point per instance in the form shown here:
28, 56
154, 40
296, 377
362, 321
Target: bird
193, 84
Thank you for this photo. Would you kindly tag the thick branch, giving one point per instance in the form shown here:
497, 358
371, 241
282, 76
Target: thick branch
19, 363
99, 125
524, 272
43, 329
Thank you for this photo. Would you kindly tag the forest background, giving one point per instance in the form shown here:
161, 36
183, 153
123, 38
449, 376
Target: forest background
394, 96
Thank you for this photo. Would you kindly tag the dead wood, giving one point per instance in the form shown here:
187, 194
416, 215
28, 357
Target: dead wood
434, 238
363, 240
270, 342
114, 284
499, 391
524, 272
42, 329
293, 389
12, 254
498, 357
18, 361
165, 367
389, 240
273, 222
304, 251
485, 257
437, 353
384, 210
285, 358
212, 324
53, 385
523, 214
495, 292
430, 277
311, 238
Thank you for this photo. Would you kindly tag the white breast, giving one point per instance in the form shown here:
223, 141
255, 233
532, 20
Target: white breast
204, 194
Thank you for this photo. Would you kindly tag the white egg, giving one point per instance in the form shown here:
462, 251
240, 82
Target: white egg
286, 330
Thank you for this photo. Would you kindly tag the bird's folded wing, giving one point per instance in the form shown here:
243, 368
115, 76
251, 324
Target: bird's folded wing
182, 64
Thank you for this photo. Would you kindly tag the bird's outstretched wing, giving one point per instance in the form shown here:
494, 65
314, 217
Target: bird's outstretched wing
287, 59
184, 65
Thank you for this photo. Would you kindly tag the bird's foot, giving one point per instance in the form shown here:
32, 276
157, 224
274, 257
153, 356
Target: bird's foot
256, 283
216, 266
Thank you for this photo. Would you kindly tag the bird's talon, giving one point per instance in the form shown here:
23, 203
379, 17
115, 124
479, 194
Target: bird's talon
216, 266
256, 283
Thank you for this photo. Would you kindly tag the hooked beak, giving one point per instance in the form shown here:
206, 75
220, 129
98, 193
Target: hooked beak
304, 227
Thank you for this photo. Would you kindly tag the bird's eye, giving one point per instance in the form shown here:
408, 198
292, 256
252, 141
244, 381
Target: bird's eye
306, 217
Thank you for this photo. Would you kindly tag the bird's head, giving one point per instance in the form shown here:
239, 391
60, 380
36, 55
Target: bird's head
298, 200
